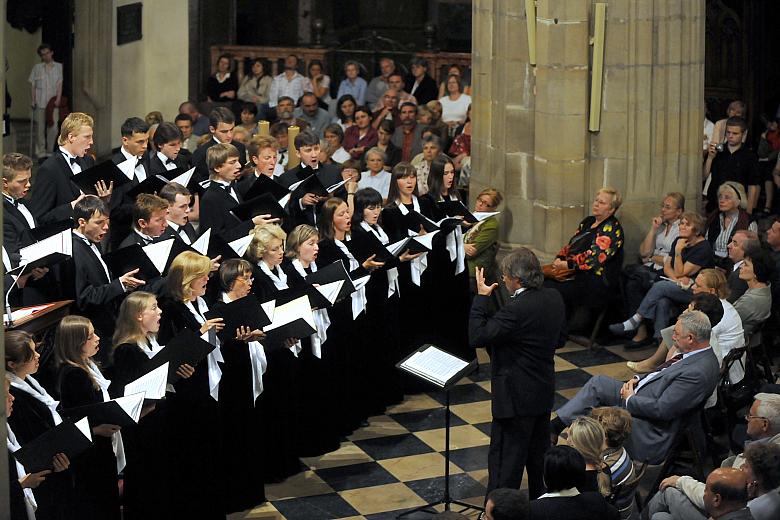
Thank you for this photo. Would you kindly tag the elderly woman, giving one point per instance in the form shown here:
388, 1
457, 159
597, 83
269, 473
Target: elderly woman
728, 219
689, 254
255, 88
597, 241
755, 305
481, 241
654, 250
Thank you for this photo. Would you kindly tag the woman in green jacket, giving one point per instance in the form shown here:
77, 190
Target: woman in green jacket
481, 241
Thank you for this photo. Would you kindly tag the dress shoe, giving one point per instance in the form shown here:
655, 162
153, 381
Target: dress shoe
634, 366
635, 345
617, 330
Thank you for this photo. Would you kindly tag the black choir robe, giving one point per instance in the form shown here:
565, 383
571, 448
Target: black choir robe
31, 419
194, 436
17, 506
157, 167
199, 158
121, 204
329, 174
53, 189
147, 476
94, 471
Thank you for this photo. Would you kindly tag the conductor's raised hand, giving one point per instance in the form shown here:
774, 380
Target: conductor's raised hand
482, 287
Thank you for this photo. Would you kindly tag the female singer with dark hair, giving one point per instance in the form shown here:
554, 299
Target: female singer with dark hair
81, 383
316, 395
146, 476
348, 318
447, 262
35, 413
382, 292
400, 219
194, 439
239, 389
277, 407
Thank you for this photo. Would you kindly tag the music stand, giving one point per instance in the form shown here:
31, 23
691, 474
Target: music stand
443, 370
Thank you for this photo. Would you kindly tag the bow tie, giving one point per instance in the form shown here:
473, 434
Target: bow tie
227, 187
73, 160
13, 201
169, 161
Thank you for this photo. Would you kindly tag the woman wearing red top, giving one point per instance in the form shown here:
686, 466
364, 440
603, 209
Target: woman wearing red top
361, 136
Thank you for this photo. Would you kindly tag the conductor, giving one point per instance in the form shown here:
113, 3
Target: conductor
521, 339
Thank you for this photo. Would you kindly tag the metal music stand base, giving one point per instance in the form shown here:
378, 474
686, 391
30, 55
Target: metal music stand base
446, 499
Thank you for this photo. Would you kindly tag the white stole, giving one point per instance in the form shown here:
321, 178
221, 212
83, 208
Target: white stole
116, 439
29, 499
321, 318
392, 273
455, 247
359, 300
257, 360
34, 388
215, 356
419, 264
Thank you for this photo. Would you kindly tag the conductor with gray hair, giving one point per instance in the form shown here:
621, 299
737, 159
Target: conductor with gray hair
521, 339
661, 401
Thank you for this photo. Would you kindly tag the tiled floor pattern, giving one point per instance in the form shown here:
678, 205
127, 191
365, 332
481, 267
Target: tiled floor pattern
397, 462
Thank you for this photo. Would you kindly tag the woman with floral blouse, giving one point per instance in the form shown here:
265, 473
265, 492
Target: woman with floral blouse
597, 241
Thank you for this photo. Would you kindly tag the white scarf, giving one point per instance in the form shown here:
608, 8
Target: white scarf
280, 281
215, 356
116, 439
29, 499
359, 296
455, 247
34, 388
392, 273
257, 360
321, 318
419, 264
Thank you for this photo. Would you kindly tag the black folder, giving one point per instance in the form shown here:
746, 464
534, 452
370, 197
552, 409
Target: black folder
244, 312
313, 184
152, 185
295, 328
187, 347
41, 232
106, 171
264, 204
332, 273
265, 184
317, 300
65, 438
454, 208
128, 258
108, 412
366, 244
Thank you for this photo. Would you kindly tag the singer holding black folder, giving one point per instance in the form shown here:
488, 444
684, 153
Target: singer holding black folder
278, 405
318, 370
147, 474
35, 413
222, 196
194, 439
521, 339
80, 383
243, 435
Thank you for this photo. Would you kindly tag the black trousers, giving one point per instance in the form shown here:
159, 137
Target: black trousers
517, 443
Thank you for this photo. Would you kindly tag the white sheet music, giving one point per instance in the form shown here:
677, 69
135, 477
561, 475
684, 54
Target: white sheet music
295, 185
158, 253
300, 308
201, 245
23, 313
240, 245
59, 243
152, 384
396, 248
184, 178
131, 404
482, 215
83, 426
330, 290
334, 187
435, 365
426, 239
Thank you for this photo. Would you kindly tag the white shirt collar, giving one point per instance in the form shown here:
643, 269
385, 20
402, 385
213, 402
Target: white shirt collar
521, 289
67, 154
571, 492
127, 154
737, 264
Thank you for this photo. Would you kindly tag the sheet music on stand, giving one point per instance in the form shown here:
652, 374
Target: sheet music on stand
436, 366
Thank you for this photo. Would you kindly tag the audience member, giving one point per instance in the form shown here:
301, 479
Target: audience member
762, 470
660, 402
154, 117
289, 83
506, 504
221, 87
455, 103
200, 123
248, 119
285, 109
361, 136
375, 176
564, 472
454, 70
617, 428
735, 162
311, 112
729, 218
189, 139
380, 84
345, 111
396, 82
755, 305
320, 85
45, 92
421, 85
742, 242
334, 135
384, 143
387, 110
256, 87
586, 435
353, 84
408, 135
431, 149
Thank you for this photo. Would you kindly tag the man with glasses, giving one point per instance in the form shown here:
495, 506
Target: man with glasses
682, 497
743, 242
311, 112
46, 88
387, 109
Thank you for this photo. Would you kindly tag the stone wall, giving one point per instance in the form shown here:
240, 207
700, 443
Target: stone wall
531, 137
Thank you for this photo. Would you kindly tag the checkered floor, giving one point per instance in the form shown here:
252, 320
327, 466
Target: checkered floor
397, 462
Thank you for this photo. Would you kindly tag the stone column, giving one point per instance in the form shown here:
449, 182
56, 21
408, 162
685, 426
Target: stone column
530, 136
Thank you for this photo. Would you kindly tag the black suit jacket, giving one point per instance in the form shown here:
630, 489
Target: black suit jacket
427, 91
521, 338
215, 214
16, 229
585, 506
737, 286
53, 190
120, 195
329, 174
156, 166
199, 158
97, 297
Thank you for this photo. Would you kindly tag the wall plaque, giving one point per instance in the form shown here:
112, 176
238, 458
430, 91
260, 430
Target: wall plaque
128, 23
